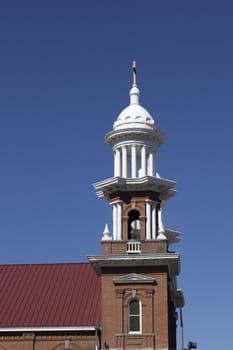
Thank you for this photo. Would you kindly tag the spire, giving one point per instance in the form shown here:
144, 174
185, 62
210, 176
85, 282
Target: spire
134, 92
106, 234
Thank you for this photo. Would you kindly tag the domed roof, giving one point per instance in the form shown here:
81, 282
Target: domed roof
134, 116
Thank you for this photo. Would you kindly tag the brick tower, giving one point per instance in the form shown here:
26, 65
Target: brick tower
139, 295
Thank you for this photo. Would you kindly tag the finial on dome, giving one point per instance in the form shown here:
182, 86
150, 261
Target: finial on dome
134, 92
134, 73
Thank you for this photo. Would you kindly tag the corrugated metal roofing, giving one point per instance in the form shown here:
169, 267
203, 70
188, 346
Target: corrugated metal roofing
49, 295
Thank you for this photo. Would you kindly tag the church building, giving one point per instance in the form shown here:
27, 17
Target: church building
124, 298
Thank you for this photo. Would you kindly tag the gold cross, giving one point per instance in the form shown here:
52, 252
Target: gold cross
134, 73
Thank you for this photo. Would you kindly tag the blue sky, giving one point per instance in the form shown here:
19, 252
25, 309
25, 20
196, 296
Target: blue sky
65, 74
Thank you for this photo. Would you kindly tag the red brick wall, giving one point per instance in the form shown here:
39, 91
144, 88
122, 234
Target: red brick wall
31, 341
119, 247
154, 300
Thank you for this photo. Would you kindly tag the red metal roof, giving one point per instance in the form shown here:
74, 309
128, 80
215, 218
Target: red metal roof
49, 295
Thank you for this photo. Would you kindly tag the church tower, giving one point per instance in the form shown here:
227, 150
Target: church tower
139, 294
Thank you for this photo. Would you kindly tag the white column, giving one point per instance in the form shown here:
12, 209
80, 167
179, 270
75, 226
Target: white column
115, 163
143, 160
118, 162
161, 228
119, 224
133, 161
151, 164
114, 221
154, 164
148, 219
124, 162
154, 220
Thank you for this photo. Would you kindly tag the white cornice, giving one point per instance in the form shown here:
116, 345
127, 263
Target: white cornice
147, 183
171, 260
128, 134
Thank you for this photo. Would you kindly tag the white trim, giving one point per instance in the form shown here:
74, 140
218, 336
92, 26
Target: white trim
48, 329
152, 183
172, 260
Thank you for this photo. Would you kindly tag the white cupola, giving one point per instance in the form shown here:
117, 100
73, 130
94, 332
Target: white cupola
134, 139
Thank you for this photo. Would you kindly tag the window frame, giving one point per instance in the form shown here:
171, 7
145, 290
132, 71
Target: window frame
139, 316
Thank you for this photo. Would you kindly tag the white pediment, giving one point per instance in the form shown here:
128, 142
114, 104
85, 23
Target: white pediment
134, 278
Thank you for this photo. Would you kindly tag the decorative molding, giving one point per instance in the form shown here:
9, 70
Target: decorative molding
134, 278
146, 183
149, 293
119, 293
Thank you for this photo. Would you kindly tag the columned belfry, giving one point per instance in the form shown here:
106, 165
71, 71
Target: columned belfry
138, 272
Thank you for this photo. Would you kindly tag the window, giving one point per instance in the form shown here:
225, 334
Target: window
134, 316
134, 225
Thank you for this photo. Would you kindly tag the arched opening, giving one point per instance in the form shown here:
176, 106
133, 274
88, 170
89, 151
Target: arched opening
134, 224
134, 316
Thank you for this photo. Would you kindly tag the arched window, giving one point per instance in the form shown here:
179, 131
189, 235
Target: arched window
134, 225
134, 316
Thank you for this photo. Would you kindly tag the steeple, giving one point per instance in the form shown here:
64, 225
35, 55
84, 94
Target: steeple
138, 271
134, 141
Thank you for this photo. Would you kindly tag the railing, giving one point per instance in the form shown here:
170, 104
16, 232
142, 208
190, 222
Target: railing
133, 247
